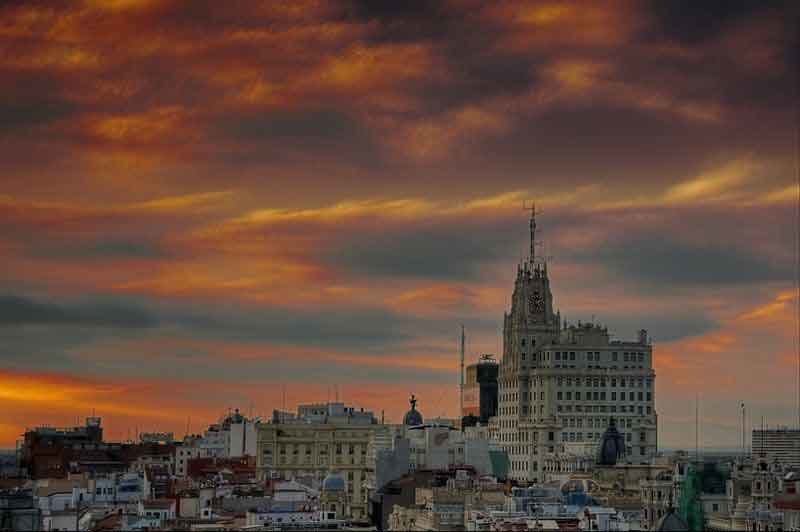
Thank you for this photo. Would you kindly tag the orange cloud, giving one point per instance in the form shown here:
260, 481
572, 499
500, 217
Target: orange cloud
781, 308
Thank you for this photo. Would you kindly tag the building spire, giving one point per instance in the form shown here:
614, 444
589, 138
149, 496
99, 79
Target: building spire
532, 254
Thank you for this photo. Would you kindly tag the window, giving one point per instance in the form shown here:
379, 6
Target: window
558, 355
613, 396
577, 396
569, 396
523, 342
641, 396
649, 396
602, 396
559, 396
614, 356
572, 356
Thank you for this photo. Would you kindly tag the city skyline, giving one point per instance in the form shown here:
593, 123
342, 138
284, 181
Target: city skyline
201, 209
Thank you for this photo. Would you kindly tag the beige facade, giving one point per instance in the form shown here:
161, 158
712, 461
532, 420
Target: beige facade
290, 451
561, 384
446, 507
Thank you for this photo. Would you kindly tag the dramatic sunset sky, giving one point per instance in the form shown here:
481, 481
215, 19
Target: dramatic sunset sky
204, 201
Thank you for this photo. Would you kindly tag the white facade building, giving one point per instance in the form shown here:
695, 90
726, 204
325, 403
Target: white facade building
232, 437
782, 444
561, 384
321, 438
189, 449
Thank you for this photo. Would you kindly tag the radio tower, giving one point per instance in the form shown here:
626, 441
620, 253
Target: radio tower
461, 387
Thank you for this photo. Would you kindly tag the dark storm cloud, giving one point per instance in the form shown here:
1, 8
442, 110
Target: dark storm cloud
402, 21
19, 310
696, 22
113, 248
350, 328
17, 116
664, 262
290, 135
663, 327
353, 328
456, 250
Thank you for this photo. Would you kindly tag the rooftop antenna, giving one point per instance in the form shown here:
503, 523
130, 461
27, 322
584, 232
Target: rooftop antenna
744, 447
696, 428
283, 404
532, 224
461, 374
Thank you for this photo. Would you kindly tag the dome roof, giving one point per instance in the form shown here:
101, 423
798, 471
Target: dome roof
413, 417
333, 482
671, 522
612, 445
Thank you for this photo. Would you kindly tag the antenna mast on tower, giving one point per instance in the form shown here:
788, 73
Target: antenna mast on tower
534, 242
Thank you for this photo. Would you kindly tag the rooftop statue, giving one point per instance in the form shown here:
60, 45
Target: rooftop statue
612, 446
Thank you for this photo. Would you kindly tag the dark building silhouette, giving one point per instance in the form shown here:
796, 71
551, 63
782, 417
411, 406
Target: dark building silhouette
612, 447
480, 390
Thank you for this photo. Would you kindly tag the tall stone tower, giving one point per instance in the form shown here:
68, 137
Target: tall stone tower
558, 386
531, 323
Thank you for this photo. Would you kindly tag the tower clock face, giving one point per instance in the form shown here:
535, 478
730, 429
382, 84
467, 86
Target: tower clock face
536, 303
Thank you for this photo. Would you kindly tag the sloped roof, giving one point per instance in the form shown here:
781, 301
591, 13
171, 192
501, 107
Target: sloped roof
671, 522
